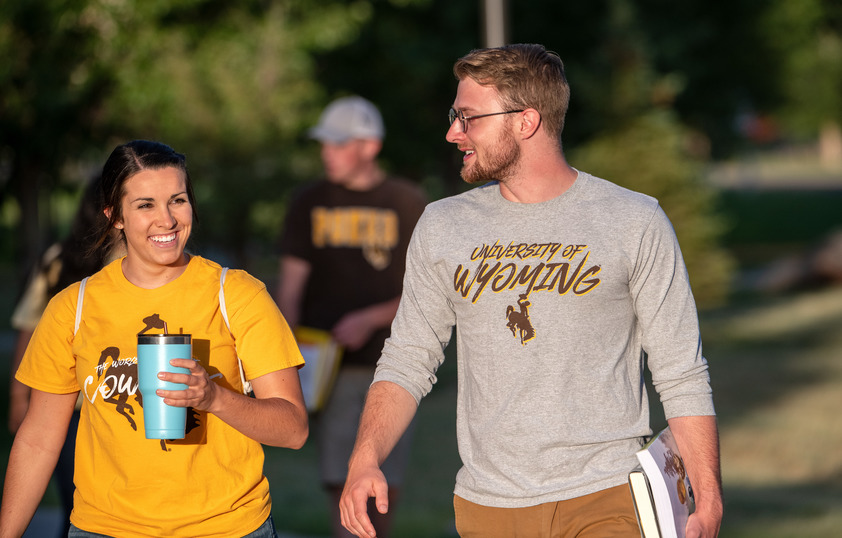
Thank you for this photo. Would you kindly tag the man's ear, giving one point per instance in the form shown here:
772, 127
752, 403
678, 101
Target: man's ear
530, 120
371, 148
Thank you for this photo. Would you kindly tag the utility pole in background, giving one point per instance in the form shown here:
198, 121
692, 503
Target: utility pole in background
495, 19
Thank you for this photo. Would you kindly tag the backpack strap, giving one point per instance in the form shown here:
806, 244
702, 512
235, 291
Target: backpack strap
79, 301
224, 312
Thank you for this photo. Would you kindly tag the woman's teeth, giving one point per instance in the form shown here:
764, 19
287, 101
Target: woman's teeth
163, 238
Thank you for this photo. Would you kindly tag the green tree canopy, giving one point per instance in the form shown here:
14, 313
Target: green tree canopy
229, 84
235, 84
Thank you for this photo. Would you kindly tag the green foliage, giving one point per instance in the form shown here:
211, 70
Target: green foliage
720, 59
229, 92
651, 154
809, 37
402, 61
229, 84
234, 85
51, 83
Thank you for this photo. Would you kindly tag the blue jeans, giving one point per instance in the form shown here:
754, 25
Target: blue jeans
267, 530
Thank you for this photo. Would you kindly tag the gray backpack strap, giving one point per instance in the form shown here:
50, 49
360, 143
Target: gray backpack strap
79, 302
224, 312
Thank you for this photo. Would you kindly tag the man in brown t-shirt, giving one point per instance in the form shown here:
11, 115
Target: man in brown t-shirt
343, 252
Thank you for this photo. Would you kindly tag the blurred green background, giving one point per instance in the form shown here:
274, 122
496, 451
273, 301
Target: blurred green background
728, 112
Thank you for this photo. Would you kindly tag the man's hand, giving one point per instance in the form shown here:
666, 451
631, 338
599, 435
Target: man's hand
353, 506
388, 411
698, 443
701, 525
353, 330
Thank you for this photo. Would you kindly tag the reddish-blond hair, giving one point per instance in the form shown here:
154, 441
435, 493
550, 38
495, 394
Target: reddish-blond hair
525, 76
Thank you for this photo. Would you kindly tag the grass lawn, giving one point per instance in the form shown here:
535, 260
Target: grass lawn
776, 367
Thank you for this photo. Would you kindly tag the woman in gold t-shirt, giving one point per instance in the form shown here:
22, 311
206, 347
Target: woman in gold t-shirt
210, 483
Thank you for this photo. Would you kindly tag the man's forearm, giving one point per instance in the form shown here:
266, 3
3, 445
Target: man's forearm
294, 273
698, 442
388, 411
382, 314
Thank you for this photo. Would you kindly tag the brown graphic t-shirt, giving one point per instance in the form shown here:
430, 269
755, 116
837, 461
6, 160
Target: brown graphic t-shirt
356, 245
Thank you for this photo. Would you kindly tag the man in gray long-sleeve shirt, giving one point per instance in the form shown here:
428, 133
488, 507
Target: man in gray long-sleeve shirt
557, 283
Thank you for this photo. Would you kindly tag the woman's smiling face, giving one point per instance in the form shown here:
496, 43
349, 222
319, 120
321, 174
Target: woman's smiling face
157, 218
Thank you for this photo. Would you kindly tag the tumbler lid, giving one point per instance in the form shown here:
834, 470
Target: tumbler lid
163, 339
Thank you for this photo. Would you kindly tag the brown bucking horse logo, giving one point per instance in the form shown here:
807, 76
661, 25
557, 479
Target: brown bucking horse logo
519, 320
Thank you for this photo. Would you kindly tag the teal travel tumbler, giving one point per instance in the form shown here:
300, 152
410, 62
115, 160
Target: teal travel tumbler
154, 352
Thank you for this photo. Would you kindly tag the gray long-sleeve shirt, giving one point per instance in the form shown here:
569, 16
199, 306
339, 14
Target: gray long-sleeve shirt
554, 305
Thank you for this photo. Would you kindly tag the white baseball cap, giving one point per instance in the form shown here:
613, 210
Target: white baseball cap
347, 118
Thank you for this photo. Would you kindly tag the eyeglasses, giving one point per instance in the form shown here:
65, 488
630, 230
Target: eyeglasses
453, 115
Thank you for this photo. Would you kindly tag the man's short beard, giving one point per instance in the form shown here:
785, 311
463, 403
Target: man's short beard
503, 161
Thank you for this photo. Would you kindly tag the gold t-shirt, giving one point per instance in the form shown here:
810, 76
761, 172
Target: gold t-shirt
208, 484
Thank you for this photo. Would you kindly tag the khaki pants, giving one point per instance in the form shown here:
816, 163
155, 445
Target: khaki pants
607, 513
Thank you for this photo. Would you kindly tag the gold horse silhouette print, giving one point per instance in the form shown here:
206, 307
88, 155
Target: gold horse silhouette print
519, 322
